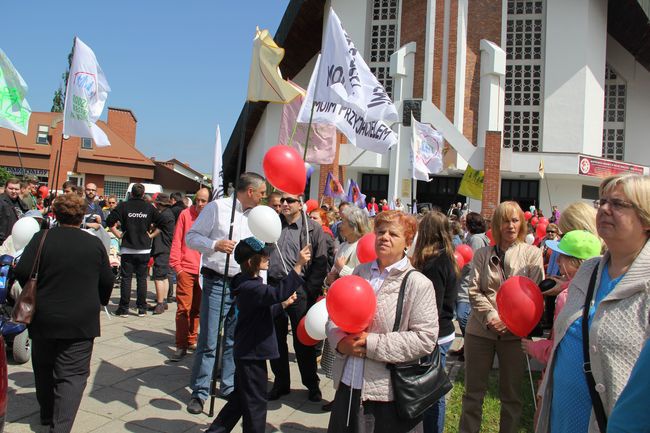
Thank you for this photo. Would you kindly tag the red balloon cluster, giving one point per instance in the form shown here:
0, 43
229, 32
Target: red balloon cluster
465, 251
540, 230
534, 220
302, 335
520, 304
459, 259
351, 303
528, 215
366, 248
285, 169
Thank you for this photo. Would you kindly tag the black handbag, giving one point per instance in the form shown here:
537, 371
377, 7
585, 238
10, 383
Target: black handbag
417, 386
596, 402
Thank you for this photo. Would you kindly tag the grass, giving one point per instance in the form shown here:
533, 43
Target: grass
491, 404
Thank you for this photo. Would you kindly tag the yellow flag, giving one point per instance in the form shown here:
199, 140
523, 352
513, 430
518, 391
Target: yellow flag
472, 184
265, 82
540, 169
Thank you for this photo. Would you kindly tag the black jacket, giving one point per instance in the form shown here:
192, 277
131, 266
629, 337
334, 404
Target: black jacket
10, 212
257, 305
74, 279
135, 217
177, 208
162, 243
440, 270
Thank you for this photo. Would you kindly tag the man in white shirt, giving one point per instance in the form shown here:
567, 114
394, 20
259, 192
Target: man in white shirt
209, 236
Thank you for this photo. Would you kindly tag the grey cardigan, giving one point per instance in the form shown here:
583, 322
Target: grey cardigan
616, 335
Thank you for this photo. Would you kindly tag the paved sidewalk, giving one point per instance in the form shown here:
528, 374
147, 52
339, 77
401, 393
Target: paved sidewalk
134, 388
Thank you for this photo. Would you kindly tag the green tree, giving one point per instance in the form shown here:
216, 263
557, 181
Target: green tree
4, 175
59, 94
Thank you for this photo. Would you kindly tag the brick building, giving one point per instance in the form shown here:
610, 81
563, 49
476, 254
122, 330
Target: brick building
562, 83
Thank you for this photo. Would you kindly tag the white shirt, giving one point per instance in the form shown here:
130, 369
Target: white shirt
355, 364
213, 225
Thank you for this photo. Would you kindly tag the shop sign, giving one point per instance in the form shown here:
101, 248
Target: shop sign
601, 167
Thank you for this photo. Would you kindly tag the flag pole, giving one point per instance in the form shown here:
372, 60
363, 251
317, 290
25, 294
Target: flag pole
58, 166
548, 192
20, 158
224, 293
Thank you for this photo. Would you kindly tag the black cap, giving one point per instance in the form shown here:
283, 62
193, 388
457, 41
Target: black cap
247, 248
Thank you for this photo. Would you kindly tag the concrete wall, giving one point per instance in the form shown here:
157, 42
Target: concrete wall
563, 191
637, 127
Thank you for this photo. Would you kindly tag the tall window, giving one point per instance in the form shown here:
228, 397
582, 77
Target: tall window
384, 40
41, 134
524, 75
614, 115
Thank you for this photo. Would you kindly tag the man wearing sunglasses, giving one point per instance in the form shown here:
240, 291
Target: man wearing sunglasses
293, 238
209, 236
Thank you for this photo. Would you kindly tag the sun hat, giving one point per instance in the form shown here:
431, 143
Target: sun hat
580, 244
248, 247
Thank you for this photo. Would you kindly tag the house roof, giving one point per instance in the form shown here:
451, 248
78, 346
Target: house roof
119, 151
175, 161
299, 33
27, 143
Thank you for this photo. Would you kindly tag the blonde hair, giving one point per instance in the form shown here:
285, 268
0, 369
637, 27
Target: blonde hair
636, 189
578, 216
508, 209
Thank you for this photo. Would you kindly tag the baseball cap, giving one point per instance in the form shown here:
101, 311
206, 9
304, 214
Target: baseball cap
247, 248
580, 244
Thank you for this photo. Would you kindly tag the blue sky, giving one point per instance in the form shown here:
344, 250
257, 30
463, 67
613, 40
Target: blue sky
182, 67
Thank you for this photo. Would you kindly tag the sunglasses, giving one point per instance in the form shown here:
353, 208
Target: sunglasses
289, 200
112, 202
550, 232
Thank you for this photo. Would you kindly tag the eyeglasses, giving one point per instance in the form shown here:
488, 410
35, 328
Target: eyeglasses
616, 203
550, 232
289, 200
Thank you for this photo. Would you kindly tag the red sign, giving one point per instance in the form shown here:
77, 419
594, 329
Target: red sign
601, 167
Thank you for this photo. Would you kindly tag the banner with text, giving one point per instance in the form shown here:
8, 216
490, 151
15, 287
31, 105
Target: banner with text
472, 183
426, 148
14, 109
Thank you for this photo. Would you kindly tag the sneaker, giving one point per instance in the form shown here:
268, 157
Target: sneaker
121, 312
195, 406
191, 347
159, 309
171, 299
178, 355
142, 312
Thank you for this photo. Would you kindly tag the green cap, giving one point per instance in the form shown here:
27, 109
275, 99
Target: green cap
580, 244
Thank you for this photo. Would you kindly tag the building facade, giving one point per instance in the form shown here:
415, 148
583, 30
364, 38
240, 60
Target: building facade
566, 85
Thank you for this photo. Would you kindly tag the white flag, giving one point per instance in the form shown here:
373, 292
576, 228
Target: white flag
217, 169
86, 94
345, 78
14, 109
375, 136
426, 147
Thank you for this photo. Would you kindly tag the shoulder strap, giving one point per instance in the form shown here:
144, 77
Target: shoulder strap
400, 301
597, 403
37, 260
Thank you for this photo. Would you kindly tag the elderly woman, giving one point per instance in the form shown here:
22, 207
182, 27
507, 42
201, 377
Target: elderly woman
616, 289
486, 334
360, 375
74, 279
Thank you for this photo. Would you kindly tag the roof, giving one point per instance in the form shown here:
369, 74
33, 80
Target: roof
126, 110
628, 23
299, 33
175, 161
27, 143
119, 151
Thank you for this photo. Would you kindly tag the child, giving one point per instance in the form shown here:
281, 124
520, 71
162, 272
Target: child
255, 340
574, 248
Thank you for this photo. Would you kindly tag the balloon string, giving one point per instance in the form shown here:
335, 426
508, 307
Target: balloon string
284, 265
304, 215
354, 364
532, 387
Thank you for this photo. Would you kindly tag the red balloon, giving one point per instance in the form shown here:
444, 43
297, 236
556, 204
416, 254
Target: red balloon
302, 335
459, 259
520, 304
351, 303
534, 221
489, 236
541, 229
311, 205
285, 169
465, 251
366, 248
528, 215
542, 220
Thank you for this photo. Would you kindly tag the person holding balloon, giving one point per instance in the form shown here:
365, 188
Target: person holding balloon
255, 341
591, 363
362, 310
486, 332
434, 257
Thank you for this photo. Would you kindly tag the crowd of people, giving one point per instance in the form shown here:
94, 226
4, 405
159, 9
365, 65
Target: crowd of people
591, 264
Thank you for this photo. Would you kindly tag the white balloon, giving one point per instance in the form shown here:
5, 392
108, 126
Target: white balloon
264, 223
530, 238
23, 231
316, 319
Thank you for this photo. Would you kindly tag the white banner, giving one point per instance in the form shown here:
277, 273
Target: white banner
345, 78
426, 148
14, 109
375, 136
86, 94
217, 168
